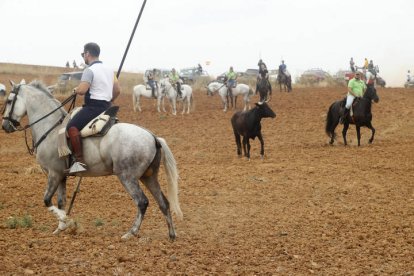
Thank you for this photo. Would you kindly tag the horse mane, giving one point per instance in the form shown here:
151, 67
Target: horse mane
42, 87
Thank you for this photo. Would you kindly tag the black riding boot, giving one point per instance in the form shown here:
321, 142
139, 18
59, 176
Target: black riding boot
179, 90
153, 92
344, 115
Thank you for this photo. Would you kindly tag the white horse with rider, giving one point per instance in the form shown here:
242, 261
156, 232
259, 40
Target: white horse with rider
170, 92
145, 91
241, 89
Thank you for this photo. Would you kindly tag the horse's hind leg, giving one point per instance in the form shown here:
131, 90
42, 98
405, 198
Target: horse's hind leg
153, 185
261, 145
132, 187
369, 125
344, 130
150, 180
238, 144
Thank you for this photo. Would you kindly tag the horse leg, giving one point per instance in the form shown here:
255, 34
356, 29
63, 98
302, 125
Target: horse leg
245, 146
358, 131
238, 144
150, 180
174, 107
138, 104
369, 125
261, 145
132, 187
248, 148
344, 130
56, 181
158, 104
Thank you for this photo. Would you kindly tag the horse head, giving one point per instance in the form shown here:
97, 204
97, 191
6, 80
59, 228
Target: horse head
13, 110
371, 93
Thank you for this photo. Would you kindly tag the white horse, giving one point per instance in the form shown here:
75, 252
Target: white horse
169, 91
128, 151
141, 90
240, 90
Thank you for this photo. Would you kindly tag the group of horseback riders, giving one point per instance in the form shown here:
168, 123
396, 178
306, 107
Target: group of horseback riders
231, 76
153, 78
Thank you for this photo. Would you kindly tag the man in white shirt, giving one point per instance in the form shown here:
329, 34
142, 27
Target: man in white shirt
100, 87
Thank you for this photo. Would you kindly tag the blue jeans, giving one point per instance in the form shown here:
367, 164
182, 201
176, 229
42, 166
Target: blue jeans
87, 113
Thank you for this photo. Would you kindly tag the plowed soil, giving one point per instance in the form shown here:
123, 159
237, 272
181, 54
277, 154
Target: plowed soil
307, 208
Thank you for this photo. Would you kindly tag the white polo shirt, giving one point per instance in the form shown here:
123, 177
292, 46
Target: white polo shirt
101, 79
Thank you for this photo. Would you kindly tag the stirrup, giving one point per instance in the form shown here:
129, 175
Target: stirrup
77, 167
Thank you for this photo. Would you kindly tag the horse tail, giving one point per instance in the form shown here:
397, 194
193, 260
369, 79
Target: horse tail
330, 122
170, 166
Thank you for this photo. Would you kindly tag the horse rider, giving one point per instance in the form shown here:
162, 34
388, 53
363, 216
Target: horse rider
175, 81
365, 63
352, 65
100, 87
199, 69
260, 63
263, 74
231, 77
282, 68
371, 67
151, 82
356, 88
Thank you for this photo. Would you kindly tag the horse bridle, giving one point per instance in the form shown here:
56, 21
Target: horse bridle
12, 122
16, 124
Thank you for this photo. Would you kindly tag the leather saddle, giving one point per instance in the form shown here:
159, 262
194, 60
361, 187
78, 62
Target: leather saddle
100, 125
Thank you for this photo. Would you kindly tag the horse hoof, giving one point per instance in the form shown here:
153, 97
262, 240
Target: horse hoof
262, 157
127, 236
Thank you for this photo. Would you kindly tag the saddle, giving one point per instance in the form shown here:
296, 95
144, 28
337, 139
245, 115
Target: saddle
148, 87
98, 127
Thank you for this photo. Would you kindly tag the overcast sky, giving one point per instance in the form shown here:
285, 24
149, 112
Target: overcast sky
182, 33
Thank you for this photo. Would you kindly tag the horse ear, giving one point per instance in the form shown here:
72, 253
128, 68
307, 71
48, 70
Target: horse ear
12, 83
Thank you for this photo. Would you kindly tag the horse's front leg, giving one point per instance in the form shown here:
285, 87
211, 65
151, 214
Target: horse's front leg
344, 130
56, 181
358, 131
238, 144
174, 106
158, 104
224, 101
261, 145
369, 125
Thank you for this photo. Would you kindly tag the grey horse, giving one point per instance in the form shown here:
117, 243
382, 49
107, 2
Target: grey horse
130, 152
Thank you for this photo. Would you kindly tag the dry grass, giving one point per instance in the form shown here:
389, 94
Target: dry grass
49, 75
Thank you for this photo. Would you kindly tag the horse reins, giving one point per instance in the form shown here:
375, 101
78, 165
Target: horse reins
16, 125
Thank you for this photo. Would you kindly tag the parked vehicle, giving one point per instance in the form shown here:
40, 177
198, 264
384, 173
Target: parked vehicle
66, 82
191, 74
313, 75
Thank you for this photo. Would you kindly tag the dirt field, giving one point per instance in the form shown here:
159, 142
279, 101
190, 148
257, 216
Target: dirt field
307, 208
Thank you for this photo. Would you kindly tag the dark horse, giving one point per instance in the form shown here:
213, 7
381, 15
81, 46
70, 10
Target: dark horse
264, 90
361, 115
286, 81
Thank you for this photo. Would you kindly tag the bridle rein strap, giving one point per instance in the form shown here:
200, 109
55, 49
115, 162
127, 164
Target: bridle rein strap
16, 124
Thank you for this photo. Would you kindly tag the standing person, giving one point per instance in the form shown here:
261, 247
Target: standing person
408, 76
231, 77
356, 88
100, 87
151, 82
366, 63
199, 69
175, 80
74, 64
352, 65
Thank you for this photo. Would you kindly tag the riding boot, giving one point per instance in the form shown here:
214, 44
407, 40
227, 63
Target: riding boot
153, 92
257, 88
230, 92
76, 142
344, 115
